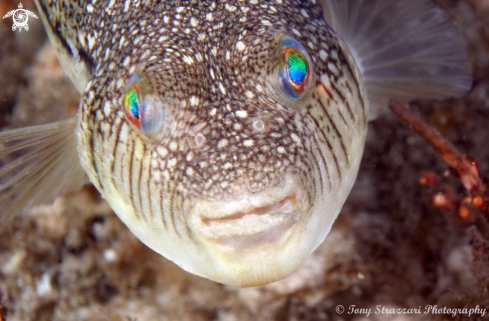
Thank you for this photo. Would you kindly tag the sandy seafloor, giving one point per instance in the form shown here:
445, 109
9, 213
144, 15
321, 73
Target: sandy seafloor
390, 246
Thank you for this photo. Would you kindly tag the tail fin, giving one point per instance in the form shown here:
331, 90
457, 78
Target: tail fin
406, 49
38, 164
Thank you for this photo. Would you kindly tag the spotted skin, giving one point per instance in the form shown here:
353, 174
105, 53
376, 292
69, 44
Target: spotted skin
216, 65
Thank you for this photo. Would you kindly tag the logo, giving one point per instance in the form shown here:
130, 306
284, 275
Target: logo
20, 17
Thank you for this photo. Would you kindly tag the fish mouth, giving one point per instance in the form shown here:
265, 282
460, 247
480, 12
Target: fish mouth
252, 212
254, 218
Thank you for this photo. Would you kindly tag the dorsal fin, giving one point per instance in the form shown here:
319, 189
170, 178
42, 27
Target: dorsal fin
406, 49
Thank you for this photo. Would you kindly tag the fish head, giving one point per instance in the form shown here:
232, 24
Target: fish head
232, 154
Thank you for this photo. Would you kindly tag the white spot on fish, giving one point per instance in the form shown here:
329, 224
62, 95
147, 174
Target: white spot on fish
240, 46
230, 8
173, 146
109, 7
296, 139
188, 60
107, 108
334, 54
194, 101
162, 151
333, 68
127, 4
221, 87
91, 41
122, 41
259, 88
222, 143
171, 163
323, 54
248, 143
127, 61
242, 113
145, 54
228, 166
138, 40
120, 83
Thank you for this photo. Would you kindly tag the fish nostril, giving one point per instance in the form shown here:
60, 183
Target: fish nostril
199, 139
258, 125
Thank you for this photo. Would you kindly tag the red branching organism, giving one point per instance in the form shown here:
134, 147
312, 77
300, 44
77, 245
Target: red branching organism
471, 209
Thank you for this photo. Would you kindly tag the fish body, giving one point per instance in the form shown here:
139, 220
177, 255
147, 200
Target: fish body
225, 134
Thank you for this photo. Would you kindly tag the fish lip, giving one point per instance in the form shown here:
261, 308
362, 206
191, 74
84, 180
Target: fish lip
252, 210
272, 212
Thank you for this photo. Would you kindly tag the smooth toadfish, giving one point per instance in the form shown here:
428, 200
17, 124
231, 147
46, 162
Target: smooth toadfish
227, 135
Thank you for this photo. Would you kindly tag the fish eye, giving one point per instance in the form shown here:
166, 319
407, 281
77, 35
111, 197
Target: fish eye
295, 72
132, 101
145, 111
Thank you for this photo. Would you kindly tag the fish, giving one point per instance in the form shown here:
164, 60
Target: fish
227, 135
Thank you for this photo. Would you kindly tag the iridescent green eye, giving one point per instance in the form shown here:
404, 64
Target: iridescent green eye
132, 102
296, 71
145, 110
297, 68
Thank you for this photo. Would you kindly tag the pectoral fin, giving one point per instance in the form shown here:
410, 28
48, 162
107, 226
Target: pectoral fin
38, 164
405, 49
